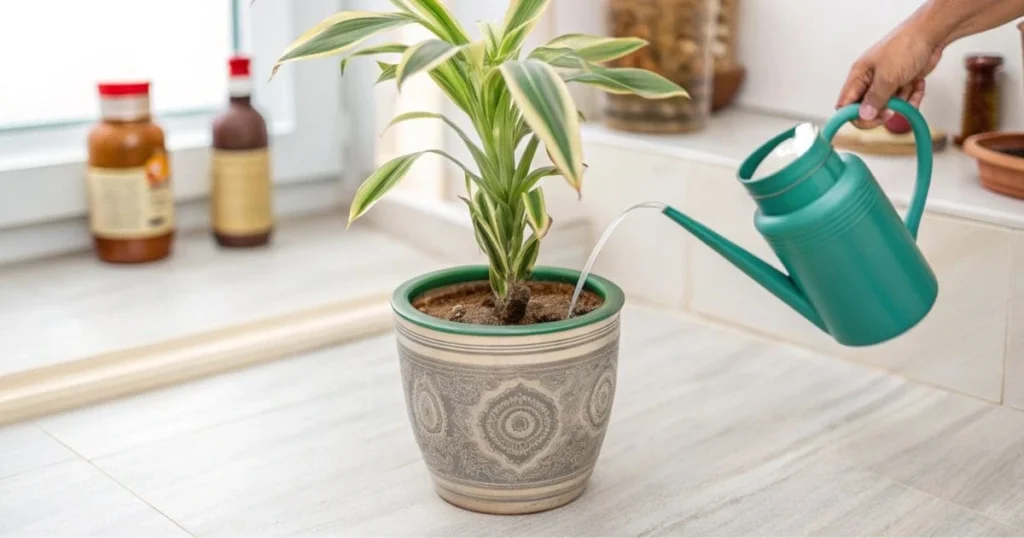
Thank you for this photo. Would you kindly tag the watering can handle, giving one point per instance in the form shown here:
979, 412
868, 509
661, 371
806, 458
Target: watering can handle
923, 139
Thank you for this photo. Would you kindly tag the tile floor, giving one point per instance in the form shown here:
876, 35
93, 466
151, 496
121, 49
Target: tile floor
712, 433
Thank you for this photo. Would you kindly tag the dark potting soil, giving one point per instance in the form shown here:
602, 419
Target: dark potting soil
1016, 152
473, 302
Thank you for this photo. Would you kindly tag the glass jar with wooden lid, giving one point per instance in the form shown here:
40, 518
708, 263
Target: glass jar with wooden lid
131, 206
680, 34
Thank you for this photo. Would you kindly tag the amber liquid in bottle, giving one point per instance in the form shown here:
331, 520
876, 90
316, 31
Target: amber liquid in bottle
981, 96
240, 201
131, 206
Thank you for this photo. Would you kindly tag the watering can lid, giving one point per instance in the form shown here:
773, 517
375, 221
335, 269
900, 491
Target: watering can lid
787, 151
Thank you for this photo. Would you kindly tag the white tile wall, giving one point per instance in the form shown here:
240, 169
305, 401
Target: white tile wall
1014, 396
780, 43
647, 254
720, 290
961, 344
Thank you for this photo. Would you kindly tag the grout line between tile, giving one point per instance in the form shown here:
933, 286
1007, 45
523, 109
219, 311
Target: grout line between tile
735, 327
1009, 329
119, 484
41, 467
932, 495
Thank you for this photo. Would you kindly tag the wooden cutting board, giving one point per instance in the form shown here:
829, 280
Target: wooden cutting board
879, 141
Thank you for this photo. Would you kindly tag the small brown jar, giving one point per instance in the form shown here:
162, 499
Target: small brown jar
981, 96
240, 198
131, 206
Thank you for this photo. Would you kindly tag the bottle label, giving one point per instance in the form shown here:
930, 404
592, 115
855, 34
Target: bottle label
241, 198
131, 203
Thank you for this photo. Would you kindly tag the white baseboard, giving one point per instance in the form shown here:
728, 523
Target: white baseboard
112, 375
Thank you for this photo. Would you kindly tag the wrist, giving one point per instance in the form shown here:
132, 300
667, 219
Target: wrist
936, 22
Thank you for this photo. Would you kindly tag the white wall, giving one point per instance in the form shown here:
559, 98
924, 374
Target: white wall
798, 52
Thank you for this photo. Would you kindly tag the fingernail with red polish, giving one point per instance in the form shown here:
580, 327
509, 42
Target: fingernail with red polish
868, 112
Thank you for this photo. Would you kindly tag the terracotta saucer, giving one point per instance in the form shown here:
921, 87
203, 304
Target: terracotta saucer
999, 171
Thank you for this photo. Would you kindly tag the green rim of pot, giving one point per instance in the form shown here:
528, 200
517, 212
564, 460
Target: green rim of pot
402, 299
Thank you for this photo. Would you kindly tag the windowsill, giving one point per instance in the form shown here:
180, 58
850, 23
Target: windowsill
183, 133
58, 310
731, 135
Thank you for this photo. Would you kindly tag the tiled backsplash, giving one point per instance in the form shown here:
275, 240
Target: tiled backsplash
1015, 341
975, 329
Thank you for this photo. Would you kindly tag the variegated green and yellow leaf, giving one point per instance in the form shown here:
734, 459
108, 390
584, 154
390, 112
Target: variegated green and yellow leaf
491, 33
549, 110
496, 217
535, 176
526, 258
387, 71
518, 227
441, 20
520, 19
386, 178
476, 55
597, 49
386, 48
537, 212
424, 56
628, 80
478, 155
454, 82
526, 161
339, 33
560, 57
498, 283
495, 253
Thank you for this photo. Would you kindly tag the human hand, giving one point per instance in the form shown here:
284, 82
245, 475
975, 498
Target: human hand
895, 67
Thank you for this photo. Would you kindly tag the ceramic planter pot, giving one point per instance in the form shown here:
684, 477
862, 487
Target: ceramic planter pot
509, 420
1000, 161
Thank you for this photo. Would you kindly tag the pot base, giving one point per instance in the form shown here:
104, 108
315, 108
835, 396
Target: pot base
509, 503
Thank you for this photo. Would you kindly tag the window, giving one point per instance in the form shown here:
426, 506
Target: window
122, 39
58, 49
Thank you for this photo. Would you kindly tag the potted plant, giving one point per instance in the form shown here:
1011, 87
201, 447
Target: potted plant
508, 396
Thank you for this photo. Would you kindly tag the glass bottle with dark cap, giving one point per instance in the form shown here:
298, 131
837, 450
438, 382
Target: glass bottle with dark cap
981, 96
240, 199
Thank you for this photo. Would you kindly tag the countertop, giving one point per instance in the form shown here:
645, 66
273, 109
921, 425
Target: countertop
712, 433
735, 133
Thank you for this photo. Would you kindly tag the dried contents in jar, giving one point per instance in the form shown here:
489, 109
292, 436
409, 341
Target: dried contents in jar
131, 206
723, 51
729, 74
680, 36
981, 96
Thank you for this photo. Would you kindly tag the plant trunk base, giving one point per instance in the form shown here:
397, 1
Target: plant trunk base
513, 308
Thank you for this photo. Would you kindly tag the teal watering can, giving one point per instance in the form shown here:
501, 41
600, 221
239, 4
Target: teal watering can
854, 267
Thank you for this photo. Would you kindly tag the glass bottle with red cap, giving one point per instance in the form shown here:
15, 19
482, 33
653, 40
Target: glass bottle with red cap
240, 201
131, 205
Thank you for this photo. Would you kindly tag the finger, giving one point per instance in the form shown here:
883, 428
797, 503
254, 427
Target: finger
877, 97
917, 95
857, 82
902, 93
933, 62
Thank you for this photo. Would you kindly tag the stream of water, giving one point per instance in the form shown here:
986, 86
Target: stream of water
600, 244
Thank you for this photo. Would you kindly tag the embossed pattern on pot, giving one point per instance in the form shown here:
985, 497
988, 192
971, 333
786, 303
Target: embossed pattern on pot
509, 424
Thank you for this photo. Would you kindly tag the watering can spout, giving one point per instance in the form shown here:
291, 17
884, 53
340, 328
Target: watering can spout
773, 280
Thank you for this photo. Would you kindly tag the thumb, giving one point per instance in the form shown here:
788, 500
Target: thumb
877, 97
